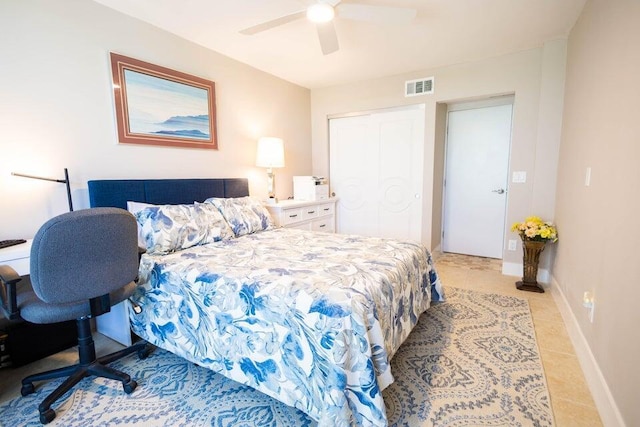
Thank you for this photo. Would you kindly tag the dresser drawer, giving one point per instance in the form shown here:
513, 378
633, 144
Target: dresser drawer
305, 214
326, 209
323, 224
290, 216
301, 226
310, 212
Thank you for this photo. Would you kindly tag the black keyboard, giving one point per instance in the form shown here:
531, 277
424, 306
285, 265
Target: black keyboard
12, 242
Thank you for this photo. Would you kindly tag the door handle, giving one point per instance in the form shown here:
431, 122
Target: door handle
499, 191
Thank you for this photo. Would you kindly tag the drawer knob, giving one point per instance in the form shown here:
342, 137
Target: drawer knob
323, 225
311, 212
293, 216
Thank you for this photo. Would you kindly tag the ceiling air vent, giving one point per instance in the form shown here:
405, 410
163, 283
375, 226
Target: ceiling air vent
418, 87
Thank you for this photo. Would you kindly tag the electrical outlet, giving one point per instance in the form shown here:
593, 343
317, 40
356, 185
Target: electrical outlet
587, 177
513, 245
588, 301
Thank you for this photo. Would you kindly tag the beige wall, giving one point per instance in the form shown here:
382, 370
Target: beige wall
599, 235
439, 149
57, 109
534, 76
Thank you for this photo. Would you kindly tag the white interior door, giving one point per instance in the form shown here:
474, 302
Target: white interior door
476, 177
376, 171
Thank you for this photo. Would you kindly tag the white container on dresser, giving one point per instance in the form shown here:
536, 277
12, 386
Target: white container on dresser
310, 188
319, 215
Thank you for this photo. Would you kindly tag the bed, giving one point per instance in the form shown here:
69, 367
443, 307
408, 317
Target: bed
311, 319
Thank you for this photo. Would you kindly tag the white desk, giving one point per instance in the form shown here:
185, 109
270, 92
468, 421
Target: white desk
17, 257
114, 324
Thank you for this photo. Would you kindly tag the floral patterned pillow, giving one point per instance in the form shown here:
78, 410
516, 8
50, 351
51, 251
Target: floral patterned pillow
169, 228
245, 215
134, 208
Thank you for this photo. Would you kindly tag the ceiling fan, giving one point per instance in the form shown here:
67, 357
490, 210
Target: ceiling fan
322, 13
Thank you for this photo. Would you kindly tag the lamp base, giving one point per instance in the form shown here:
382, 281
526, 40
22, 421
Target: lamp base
271, 201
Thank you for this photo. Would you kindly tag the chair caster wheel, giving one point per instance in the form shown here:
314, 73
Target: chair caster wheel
47, 416
27, 389
129, 387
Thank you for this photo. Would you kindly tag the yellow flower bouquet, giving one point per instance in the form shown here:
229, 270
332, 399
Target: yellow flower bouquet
535, 229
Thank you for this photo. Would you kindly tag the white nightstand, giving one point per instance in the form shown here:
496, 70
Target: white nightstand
318, 215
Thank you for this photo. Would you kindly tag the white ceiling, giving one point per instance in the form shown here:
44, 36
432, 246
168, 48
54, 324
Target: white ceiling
444, 32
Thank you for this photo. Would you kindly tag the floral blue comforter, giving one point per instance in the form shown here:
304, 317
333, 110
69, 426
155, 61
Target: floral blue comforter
311, 319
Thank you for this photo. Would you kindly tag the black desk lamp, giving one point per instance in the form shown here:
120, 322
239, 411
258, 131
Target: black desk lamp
62, 181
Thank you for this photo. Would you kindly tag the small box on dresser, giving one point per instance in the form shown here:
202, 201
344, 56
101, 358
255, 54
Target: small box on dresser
319, 215
310, 188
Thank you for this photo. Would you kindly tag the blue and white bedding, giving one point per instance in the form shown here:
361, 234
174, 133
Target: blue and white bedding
311, 319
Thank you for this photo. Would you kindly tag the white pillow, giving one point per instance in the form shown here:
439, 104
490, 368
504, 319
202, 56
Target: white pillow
134, 208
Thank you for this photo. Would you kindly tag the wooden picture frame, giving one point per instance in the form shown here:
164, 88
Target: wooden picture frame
159, 106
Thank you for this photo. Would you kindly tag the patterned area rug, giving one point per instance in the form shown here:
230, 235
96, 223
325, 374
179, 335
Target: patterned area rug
467, 262
472, 361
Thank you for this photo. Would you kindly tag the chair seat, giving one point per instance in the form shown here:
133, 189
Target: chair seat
34, 310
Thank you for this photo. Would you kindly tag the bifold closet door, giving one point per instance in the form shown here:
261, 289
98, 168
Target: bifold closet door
376, 163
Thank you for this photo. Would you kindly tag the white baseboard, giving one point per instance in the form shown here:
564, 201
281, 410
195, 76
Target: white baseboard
607, 408
515, 269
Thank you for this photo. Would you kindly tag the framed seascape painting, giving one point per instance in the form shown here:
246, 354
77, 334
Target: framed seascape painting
160, 106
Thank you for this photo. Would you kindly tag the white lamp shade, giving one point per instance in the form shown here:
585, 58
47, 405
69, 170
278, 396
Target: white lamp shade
270, 153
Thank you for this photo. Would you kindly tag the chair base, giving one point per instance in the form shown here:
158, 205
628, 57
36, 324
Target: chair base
89, 365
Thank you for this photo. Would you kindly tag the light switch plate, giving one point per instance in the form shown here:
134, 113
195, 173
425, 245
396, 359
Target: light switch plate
519, 177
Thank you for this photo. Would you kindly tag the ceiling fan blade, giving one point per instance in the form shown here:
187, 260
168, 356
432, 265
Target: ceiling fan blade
273, 23
376, 14
328, 37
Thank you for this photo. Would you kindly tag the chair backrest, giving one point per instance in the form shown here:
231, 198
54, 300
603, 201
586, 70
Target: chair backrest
84, 254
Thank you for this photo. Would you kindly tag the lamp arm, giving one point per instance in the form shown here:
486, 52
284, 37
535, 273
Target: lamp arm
66, 182
23, 175
61, 181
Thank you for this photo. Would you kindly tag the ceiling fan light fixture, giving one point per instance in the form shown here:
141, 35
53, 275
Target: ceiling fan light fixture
320, 12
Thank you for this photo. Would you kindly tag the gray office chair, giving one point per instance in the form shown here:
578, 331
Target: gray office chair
82, 263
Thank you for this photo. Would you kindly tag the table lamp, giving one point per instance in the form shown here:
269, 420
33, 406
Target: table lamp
62, 181
270, 155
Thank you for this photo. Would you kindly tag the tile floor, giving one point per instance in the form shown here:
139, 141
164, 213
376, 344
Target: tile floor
570, 397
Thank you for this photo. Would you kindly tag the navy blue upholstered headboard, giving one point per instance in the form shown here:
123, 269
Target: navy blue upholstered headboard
116, 192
